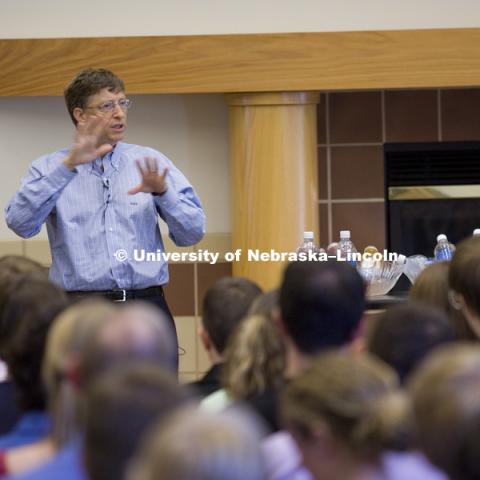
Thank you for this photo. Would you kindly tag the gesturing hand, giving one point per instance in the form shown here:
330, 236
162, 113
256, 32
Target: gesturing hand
86, 147
152, 181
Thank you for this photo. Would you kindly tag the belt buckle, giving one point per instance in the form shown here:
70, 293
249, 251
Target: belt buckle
124, 298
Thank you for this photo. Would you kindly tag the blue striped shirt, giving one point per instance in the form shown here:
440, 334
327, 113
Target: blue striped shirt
90, 218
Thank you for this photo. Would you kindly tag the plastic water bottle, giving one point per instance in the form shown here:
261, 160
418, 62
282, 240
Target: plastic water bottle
347, 248
443, 250
308, 247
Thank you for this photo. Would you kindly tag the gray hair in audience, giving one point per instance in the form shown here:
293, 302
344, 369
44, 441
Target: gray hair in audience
194, 444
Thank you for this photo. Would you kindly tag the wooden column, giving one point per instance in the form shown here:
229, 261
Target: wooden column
273, 153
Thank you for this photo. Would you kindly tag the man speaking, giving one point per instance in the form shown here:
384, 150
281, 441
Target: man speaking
101, 199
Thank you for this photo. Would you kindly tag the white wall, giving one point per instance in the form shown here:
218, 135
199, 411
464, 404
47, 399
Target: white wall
69, 18
192, 130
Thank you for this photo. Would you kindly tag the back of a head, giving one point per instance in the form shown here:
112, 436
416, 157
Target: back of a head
321, 304
354, 397
431, 286
71, 333
254, 359
194, 444
121, 405
224, 306
30, 310
136, 332
405, 334
445, 394
12, 266
464, 273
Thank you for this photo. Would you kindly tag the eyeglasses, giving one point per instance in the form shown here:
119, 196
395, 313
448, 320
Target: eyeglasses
107, 107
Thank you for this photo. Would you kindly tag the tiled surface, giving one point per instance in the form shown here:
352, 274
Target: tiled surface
323, 223
460, 114
180, 291
357, 172
322, 120
366, 221
207, 275
322, 173
11, 247
187, 340
355, 117
411, 116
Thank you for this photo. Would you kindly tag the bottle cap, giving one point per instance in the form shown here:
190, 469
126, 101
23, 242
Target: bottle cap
344, 233
308, 235
476, 231
442, 236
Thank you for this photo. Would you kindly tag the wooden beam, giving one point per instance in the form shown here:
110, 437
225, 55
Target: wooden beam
249, 63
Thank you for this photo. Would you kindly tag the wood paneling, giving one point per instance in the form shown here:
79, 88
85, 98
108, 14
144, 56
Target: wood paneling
273, 153
253, 62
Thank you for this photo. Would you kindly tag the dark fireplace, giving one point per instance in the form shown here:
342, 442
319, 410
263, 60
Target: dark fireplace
430, 188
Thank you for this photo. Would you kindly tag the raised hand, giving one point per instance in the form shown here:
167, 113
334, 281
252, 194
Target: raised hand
152, 181
86, 147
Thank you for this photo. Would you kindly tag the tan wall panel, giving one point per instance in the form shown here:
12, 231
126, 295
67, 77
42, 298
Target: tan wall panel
274, 177
253, 62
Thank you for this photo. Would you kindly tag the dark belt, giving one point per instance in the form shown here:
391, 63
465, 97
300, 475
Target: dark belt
120, 295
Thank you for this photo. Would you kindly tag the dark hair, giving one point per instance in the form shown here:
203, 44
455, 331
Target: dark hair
11, 266
321, 304
30, 310
464, 272
120, 407
224, 306
405, 334
87, 83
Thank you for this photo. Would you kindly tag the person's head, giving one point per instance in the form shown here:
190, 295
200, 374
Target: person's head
10, 267
138, 331
321, 304
30, 309
464, 281
254, 358
71, 333
405, 334
224, 306
120, 406
204, 446
445, 394
98, 92
345, 409
431, 288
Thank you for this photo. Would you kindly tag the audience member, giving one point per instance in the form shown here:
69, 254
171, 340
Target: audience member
431, 288
32, 304
10, 267
446, 405
134, 332
194, 444
464, 282
120, 406
224, 306
346, 413
405, 334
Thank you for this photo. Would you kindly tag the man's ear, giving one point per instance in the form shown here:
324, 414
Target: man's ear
79, 114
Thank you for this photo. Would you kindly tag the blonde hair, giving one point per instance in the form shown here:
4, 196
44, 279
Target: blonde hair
68, 338
255, 358
194, 444
356, 397
445, 394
